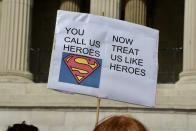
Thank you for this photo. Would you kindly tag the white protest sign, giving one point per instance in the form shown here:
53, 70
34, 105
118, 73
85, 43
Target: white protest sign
104, 57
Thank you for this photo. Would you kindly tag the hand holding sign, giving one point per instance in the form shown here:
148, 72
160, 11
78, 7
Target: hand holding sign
104, 57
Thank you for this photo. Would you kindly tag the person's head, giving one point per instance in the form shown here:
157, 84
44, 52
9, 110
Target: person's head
120, 123
22, 127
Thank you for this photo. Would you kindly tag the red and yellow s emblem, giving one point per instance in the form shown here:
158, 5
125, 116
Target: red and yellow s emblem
81, 67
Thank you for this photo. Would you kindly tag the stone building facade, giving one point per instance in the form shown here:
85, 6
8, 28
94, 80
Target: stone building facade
26, 35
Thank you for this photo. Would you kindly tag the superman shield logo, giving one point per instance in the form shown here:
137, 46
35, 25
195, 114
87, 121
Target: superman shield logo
81, 70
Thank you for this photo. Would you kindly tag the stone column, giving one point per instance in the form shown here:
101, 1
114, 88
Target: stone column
189, 50
110, 8
0, 12
70, 5
135, 11
15, 41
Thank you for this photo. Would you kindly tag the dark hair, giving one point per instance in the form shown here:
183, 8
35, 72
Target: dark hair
22, 127
120, 123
